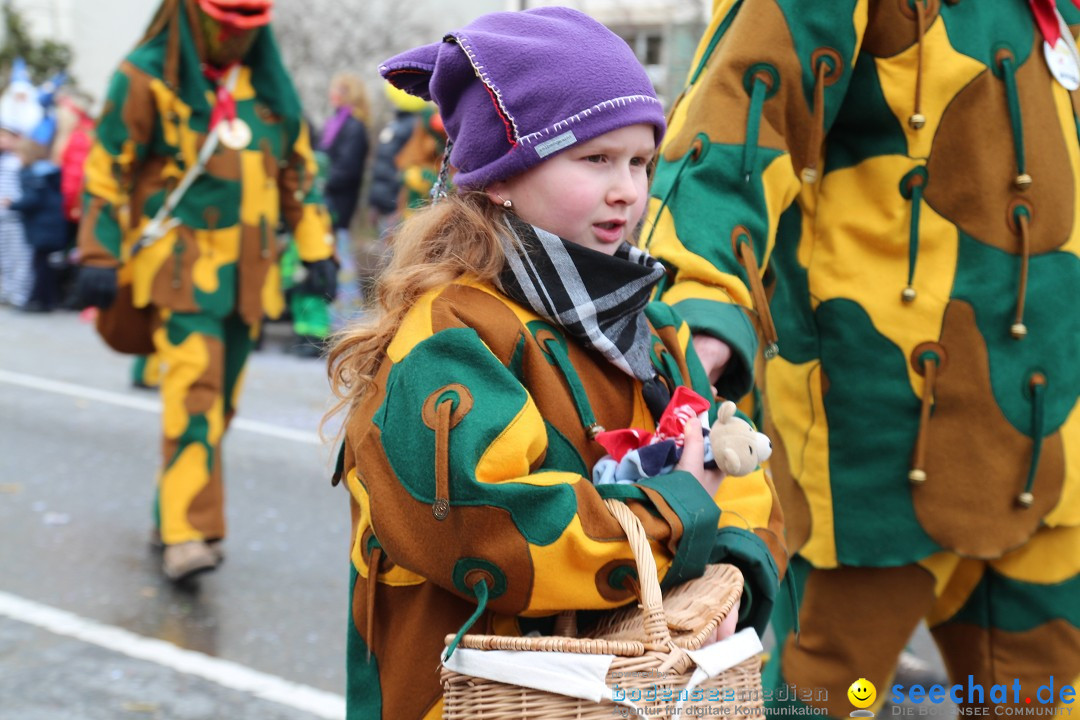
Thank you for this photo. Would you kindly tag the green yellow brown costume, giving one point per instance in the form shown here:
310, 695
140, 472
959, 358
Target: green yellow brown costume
471, 461
211, 279
887, 191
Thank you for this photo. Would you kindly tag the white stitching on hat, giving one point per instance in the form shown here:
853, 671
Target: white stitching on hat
463, 43
578, 117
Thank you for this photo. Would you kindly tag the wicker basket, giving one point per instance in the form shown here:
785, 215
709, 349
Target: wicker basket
650, 642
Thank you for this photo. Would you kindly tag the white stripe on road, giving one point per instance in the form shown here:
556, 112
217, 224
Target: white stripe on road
120, 400
223, 672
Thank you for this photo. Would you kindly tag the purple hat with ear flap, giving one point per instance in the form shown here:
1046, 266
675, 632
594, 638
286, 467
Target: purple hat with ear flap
514, 88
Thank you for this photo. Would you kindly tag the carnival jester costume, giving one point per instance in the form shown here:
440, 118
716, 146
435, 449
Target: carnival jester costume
207, 73
887, 192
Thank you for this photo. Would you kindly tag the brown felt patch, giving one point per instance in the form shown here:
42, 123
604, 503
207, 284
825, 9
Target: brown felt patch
720, 109
968, 502
258, 252
855, 622
174, 281
997, 657
797, 520
139, 111
891, 27
972, 183
418, 542
410, 626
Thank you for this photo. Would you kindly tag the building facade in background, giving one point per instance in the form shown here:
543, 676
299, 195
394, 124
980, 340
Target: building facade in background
663, 33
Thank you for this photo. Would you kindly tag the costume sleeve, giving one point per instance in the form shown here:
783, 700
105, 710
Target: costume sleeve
751, 527
301, 203
764, 88
467, 481
123, 135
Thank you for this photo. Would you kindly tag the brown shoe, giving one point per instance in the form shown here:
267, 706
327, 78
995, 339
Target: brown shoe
188, 559
216, 546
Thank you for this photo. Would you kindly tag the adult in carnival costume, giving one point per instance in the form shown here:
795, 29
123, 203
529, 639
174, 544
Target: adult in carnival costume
200, 149
886, 193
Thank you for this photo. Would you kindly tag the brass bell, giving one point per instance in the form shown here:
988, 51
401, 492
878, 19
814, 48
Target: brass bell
1022, 181
908, 294
916, 476
1025, 500
809, 175
593, 430
916, 121
1018, 330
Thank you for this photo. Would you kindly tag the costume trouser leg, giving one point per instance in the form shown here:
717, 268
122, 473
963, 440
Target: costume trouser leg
204, 359
146, 370
1017, 617
310, 313
16, 262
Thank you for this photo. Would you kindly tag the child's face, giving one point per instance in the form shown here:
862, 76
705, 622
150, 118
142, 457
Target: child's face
592, 194
8, 140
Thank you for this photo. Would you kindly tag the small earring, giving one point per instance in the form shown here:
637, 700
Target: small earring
505, 203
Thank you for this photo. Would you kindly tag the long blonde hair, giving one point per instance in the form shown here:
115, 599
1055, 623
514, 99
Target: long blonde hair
353, 95
456, 237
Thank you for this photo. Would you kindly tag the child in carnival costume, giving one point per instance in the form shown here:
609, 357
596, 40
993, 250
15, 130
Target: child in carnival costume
199, 248
20, 113
513, 326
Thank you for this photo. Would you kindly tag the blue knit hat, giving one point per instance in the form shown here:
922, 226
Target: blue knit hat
514, 88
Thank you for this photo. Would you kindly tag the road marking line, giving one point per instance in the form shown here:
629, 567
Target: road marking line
222, 672
120, 400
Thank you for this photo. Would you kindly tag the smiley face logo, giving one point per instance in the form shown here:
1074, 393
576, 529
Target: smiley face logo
862, 693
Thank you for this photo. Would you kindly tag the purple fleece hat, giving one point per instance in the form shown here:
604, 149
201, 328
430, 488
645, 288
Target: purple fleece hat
514, 88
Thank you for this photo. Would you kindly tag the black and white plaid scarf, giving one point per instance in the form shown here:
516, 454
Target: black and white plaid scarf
596, 298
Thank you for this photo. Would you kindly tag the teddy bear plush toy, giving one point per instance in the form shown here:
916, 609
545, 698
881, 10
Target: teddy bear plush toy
737, 448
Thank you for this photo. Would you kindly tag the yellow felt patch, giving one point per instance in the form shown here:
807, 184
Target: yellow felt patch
148, 262
217, 248
397, 576
1067, 511
415, 327
1050, 556
565, 570
1063, 104
805, 433
184, 365
180, 483
521, 443
273, 301
178, 132
314, 240
746, 502
899, 72
849, 241
244, 90
260, 196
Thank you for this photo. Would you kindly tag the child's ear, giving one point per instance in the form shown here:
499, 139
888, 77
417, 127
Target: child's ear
495, 193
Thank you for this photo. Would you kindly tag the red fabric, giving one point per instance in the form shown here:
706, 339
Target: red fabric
225, 107
1047, 20
71, 166
240, 14
684, 404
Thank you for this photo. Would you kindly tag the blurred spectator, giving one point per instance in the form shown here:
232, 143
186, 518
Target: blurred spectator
74, 137
40, 206
385, 179
20, 112
345, 142
419, 161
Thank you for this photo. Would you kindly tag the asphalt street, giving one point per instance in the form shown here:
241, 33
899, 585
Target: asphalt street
78, 454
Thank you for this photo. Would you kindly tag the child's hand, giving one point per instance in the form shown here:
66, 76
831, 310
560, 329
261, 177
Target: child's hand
727, 626
693, 452
5, 202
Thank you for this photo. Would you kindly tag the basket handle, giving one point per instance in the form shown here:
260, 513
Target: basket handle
652, 601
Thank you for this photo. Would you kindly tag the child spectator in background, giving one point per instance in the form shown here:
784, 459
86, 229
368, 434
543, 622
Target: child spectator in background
40, 206
16, 272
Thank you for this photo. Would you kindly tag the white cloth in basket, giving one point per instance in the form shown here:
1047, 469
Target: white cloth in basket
583, 675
